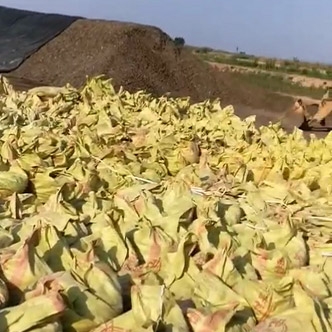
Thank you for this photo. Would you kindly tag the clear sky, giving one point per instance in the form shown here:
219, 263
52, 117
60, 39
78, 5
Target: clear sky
280, 28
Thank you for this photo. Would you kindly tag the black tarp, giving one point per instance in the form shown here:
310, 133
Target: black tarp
23, 32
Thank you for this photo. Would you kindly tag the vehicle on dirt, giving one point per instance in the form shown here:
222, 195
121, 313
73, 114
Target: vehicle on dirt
301, 107
324, 108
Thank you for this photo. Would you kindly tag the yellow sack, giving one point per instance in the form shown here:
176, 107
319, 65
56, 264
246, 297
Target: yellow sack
51, 327
207, 320
212, 237
222, 266
241, 259
288, 240
175, 262
212, 292
151, 243
174, 160
4, 295
294, 320
109, 245
99, 277
13, 181
250, 238
78, 297
177, 199
52, 247
184, 287
147, 304
123, 323
37, 311
58, 211
267, 299
6, 238
308, 315
316, 283
154, 305
45, 185
72, 322
21, 267
272, 264
320, 254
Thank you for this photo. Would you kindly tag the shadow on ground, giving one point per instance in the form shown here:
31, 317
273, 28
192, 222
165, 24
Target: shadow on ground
318, 129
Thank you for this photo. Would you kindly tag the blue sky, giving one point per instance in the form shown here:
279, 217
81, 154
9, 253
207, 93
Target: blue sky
280, 28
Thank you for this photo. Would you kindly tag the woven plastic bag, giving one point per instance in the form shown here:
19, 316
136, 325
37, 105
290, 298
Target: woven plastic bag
222, 266
154, 305
267, 299
209, 320
184, 287
80, 300
315, 282
212, 237
109, 245
241, 259
99, 277
123, 323
212, 292
151, 243
35, 312
13, 181
52, 247
4, 294
250, 238
21, 267
288, 240
169, 262
308, 315
51, 327
271, 264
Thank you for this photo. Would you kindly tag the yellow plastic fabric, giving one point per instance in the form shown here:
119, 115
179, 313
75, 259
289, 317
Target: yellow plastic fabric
123, 212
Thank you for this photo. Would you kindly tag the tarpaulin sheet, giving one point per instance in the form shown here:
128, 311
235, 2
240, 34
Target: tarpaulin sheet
23, 32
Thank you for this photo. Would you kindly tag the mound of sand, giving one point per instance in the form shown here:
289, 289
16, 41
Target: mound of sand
136, 57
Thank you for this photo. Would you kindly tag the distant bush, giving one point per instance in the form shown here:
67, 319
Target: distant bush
204, 50
287, 63
316, 72
304, 71
292, 69
270, 64
179, 41
243, 55
329, 72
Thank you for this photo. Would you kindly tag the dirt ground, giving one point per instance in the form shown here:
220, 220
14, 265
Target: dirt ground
143, 57
295, 78
136, 57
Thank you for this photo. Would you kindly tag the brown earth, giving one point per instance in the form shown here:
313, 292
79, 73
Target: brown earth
143, 57
136, 57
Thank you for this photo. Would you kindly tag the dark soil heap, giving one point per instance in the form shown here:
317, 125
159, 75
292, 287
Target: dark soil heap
136, 57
